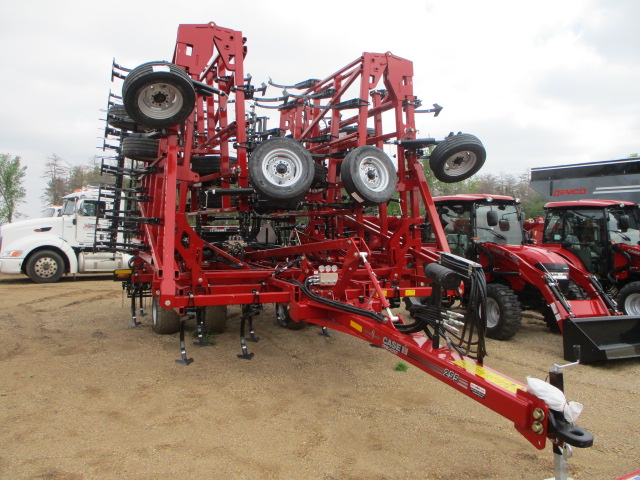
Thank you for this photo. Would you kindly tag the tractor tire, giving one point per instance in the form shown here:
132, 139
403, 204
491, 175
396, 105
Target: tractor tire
140, 148
504, 313
280, 170
368, 175
457, 158
45, 266
215, 318
117, 117
284, 320
158, 95
164, 322
629, 298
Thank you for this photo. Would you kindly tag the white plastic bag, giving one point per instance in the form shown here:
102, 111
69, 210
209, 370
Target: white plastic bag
554, 398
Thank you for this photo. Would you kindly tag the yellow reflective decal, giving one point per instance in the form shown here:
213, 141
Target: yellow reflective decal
489, 375
409, 293
356, 326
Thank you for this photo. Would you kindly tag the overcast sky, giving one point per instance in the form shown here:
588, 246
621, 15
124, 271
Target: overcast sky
545, 82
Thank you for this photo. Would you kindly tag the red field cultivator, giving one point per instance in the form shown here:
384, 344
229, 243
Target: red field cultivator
312, 215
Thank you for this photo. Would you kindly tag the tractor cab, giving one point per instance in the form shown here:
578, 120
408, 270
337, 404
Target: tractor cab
471, 219
588, 229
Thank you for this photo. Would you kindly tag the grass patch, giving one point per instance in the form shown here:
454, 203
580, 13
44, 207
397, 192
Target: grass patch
401, 367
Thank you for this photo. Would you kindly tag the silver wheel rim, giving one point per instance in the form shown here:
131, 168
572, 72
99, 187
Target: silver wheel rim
493, 313
632, 304
45, 267
460, 163
373, 174
160, 101
282, 167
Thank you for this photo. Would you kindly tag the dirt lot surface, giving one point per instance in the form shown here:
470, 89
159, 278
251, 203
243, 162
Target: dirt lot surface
85, 396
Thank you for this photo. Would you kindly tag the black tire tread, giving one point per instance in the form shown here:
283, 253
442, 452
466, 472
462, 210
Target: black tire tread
510, 312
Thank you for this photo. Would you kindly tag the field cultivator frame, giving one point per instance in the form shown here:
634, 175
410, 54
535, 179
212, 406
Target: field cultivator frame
311, 215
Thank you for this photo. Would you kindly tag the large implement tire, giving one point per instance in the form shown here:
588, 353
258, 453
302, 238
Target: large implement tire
140, 148
368, 175
45, 266
504, 313
281, 169
215, 318
457, 158
164, 322
284, 320
158, 95
629, 298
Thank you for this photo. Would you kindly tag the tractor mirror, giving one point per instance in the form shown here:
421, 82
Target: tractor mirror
504, 225
623, 223
492, 218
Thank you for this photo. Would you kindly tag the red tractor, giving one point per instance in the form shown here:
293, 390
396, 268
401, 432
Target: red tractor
520, 275
600, 236
312, 215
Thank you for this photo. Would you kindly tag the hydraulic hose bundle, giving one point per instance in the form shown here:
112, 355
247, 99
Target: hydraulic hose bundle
462, 332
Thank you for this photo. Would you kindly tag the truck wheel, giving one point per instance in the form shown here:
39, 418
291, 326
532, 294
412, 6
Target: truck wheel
165, 322
284, 320
158, 95
504, 314
140, 148
215, 318
457, 158
281, 169
45, 266
629, 298
368, 175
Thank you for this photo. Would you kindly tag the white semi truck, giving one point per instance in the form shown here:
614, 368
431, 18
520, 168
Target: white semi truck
47, 248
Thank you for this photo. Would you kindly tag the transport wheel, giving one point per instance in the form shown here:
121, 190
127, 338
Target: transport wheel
457, 158
46, 266
368, 175
504, 314
140, 148
165, 322
284, 320
158, 95
118, 117
215, 318
629, 298
319, 176
281, 169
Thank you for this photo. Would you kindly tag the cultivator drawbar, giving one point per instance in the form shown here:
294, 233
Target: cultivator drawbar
322, 215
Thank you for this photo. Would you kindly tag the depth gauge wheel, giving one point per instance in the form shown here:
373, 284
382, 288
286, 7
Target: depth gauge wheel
457, 158
165, 322
45, 266
140, 148
215, 318
368, 175
504, 313
629, 298
281, 169
158, 95
118, 117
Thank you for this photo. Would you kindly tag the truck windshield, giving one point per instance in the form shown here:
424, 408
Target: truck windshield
69, 206
507, 232
631, 235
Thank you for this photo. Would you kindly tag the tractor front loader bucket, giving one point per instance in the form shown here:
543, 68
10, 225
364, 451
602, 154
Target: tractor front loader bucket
601, 338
